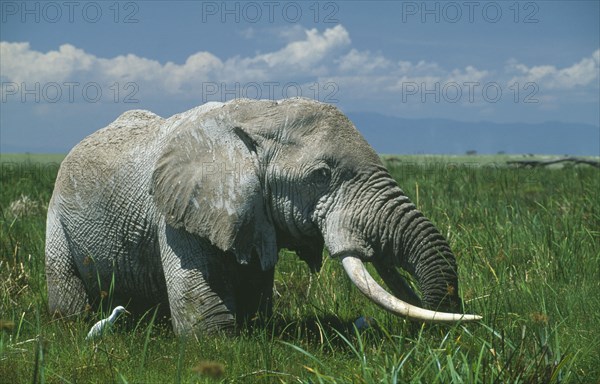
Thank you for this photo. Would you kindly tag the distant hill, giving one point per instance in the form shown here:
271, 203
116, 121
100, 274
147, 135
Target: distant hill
387, 134
395, 135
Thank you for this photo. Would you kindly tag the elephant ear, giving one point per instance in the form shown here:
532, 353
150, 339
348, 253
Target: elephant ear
206, 180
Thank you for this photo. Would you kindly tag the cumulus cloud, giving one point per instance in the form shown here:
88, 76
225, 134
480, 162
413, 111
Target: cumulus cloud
306, 55
468, 74
583, 73
199, 67
20, 63
303, 57
362, 62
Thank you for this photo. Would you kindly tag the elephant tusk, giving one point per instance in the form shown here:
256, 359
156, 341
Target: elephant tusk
397, 284
360, 277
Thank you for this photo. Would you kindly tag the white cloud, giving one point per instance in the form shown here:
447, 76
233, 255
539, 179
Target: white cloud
199, 67
362, 62
583, 73
287, 34
469, 75
304, 54
20, 63
128, 68
310, 56
303, 57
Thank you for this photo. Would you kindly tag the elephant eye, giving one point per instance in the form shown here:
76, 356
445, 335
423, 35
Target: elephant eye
320, 176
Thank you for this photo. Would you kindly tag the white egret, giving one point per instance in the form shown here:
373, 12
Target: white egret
105, 324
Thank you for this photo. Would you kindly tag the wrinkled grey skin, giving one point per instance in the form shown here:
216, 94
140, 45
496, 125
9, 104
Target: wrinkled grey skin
190, 212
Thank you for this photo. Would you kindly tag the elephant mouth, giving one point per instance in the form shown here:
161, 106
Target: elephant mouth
358, 274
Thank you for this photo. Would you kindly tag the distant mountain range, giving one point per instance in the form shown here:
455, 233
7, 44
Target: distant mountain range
390, 135
395, 135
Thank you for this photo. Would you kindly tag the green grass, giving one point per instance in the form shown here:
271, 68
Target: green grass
527, 243
37, 158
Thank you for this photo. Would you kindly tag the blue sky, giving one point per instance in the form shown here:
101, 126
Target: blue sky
68, 69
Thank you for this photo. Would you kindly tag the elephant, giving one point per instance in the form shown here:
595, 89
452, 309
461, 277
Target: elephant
189, 213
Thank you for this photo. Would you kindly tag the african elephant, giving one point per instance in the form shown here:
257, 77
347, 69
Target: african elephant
190, 212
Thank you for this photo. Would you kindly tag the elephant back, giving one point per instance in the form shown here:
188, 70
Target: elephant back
98, 165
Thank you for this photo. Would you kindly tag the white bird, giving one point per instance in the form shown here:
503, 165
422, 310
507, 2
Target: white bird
105, 324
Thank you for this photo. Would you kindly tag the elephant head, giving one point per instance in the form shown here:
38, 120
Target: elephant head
256, 176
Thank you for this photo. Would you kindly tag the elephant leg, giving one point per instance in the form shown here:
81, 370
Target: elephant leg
199, 283
253, 292
67, 294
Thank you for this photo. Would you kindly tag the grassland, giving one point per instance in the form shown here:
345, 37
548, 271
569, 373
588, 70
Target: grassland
527, 242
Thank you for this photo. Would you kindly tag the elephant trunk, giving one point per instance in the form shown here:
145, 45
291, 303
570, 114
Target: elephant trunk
417, 246
384, 227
